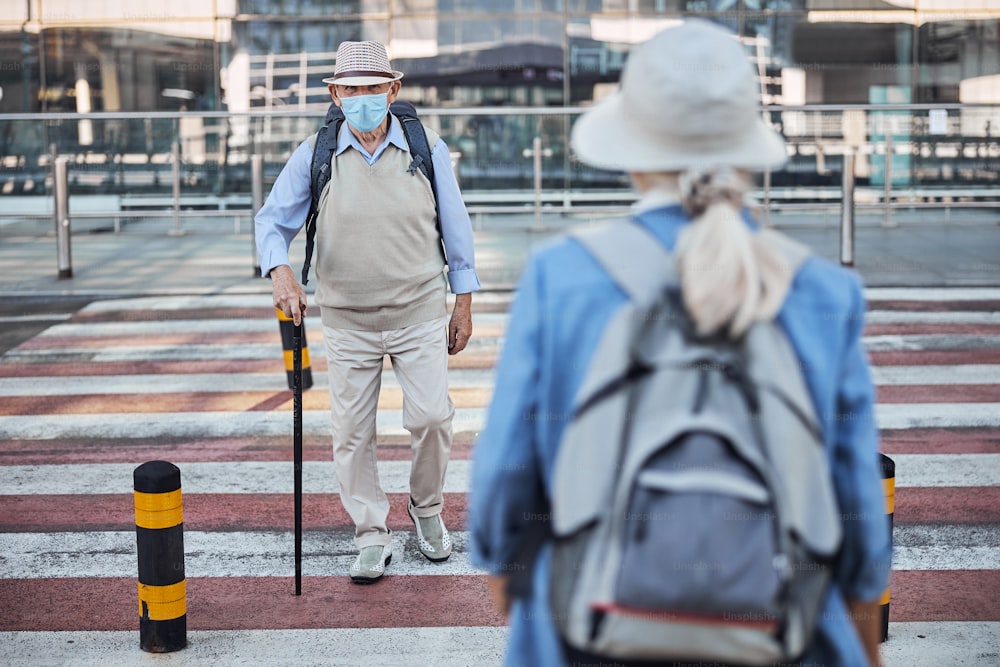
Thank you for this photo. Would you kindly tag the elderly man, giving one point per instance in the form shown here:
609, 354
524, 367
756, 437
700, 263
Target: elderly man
381, 291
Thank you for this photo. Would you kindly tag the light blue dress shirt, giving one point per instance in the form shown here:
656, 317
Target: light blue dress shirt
284, 212
563, 302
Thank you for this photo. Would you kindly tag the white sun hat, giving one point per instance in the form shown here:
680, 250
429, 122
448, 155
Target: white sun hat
688, 100
362, 64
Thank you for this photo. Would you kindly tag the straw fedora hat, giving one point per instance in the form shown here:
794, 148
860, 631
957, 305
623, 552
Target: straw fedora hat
688, 99
362, 64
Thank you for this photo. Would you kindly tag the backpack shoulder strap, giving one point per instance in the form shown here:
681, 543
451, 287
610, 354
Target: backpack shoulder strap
795, 253
416, 138
641, 266
319, 176
420, 148
634, 258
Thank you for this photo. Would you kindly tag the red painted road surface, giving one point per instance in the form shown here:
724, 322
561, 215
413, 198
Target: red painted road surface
52, 600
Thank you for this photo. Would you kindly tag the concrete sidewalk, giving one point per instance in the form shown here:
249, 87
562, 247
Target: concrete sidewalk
148, 259
202, 262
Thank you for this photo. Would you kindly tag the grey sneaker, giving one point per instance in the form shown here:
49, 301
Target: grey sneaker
370, 564
432, 537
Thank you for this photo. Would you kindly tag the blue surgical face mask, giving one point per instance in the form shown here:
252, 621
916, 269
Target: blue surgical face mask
365, 112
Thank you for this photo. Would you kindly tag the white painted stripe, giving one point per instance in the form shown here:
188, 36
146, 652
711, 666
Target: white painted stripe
224, 327
942, 317
937, 415
261, 300
458, 378
930, 342
944, 535
167, 383
42, 317
911, 644
389, 422
338, 647
912, 470
270, 554
213, 477
167, 327
947, 470
216, 554
202, 424
481, 345
932, 294
494, 321
211, 326
206, 352
138, 353
932, 644
950, 375
944, 547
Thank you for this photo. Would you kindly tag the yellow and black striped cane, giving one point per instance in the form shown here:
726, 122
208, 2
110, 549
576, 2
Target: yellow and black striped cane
889, 486
159, 532
288, 330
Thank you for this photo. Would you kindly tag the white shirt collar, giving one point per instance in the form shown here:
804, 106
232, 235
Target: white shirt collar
394, 136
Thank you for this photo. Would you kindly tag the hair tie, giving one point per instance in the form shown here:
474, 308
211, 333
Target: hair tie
701, 188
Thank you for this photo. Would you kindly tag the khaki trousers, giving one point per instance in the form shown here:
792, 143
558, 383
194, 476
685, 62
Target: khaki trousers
419, 356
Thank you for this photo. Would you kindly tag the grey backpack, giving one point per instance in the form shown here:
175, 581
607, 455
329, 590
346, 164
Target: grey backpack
693, 514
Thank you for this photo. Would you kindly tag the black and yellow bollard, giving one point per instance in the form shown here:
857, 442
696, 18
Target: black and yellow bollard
889, 486
159, 532
287, 326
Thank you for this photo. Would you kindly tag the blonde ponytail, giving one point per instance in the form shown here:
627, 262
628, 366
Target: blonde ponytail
729, 277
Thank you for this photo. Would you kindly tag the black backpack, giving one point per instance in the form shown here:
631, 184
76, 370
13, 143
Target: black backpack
326, 144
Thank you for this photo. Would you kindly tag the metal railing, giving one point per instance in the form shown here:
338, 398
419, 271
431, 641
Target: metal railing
511, 161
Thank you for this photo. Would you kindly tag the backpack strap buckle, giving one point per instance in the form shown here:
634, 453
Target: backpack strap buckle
415, 164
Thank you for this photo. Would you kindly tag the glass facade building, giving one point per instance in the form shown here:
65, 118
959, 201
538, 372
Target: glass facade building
244, 55
229, 54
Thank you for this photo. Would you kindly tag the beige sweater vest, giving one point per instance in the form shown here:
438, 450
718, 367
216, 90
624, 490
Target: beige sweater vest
379, 261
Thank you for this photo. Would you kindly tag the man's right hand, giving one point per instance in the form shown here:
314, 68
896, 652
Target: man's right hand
289, 297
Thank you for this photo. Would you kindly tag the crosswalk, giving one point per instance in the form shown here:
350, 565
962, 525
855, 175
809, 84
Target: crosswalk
199, 381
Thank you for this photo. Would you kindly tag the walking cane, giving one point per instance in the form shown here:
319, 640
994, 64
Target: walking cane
297, 449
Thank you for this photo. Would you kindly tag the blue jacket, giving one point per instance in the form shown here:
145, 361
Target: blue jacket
563, 302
